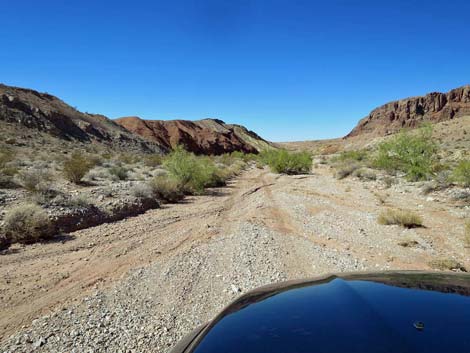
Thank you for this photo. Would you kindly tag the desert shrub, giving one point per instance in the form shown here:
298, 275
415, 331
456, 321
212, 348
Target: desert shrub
119, 172
153, 160
461, 173
34, 180
345, 170
142, 191
76, 166
357, 155
403, 218
167, 189
282, 161
364, 174
446, 265
27, 223
191, 172
411, 153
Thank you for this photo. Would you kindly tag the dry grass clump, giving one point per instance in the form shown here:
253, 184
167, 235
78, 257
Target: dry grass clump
75, 167
365, 174
346, 170
26, 224
403, 218
447, 264
167, 189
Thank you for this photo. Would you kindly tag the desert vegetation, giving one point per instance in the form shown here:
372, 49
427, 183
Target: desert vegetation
105, 186
403, 218
282, 161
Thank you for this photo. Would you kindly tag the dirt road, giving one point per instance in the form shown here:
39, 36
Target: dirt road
142, 283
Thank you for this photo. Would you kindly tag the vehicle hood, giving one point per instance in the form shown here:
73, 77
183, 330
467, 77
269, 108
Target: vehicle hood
382, 312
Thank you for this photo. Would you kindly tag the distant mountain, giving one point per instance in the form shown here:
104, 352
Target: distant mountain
25, 111
208, 136
411, 112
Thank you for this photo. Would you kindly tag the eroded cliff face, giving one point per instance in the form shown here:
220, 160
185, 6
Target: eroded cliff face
411, 112
208, 136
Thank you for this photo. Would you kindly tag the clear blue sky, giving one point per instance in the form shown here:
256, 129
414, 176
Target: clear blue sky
290, 70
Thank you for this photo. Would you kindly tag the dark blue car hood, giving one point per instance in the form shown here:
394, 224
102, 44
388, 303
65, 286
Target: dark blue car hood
385, 312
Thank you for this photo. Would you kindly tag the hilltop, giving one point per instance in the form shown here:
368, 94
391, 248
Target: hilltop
207, 136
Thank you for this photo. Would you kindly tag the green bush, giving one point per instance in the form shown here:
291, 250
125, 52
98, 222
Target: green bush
358, 155
461, 173
193, 173
411, 153
76, 166
282, 161
26, 224
167, 189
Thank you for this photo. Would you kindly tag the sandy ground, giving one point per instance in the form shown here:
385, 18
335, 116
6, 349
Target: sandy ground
142, 283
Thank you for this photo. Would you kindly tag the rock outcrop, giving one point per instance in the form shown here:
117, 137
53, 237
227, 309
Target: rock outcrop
208, 136
411, 112
25, 108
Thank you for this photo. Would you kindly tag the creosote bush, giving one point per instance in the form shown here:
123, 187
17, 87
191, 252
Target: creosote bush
192, 173
403, 218
408, 152
461, 173
282, 161
26, 224
76, 166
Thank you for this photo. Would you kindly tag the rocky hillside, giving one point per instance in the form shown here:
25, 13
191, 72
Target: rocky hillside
410, 112
45, 115
208, 136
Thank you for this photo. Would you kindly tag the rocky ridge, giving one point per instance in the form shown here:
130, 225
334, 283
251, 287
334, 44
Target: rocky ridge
22, 108
411, 112
207, 136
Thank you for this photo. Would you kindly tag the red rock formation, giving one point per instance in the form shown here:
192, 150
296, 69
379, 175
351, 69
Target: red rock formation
410, 112
208, 136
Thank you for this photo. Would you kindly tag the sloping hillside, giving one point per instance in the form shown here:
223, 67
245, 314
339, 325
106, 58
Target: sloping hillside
208, 136
44, 114
410, 112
